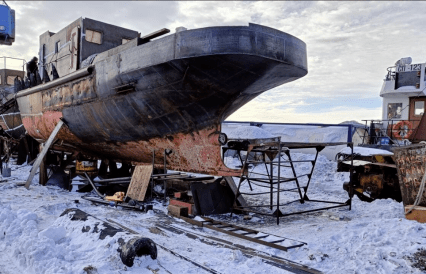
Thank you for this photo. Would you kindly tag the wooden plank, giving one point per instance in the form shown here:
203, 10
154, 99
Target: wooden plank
43, 153
139, 183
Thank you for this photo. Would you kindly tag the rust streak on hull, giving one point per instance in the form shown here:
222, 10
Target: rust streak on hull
194, 152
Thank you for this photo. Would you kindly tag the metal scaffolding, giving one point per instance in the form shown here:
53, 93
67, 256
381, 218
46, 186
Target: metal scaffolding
270, 153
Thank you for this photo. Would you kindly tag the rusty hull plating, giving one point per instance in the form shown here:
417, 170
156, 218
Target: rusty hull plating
171, 93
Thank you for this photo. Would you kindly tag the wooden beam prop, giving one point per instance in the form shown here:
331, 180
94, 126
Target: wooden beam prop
43, 153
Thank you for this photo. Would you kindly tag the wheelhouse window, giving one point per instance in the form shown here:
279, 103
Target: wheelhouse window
93, 36
10, 80
419, 108
394, 110
57, 46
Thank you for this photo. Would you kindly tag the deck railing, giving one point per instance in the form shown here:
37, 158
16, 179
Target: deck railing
384, 129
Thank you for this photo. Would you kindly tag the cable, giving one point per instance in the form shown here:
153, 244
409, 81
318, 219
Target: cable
419, 195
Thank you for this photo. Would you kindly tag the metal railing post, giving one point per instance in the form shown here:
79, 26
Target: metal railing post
350, 134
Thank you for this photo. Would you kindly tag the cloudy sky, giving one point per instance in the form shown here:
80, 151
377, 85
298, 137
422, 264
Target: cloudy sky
350, 45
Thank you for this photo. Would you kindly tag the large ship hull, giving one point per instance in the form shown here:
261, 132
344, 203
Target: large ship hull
171, 93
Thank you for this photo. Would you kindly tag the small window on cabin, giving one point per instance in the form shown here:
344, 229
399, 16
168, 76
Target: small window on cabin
394, 110
10, 80
57, 46
419, 108
93, 36
124, 40
0, 80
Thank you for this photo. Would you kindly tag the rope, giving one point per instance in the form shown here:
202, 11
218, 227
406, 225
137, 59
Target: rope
419, 195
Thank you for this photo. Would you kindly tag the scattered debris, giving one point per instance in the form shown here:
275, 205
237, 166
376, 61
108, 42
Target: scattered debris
90, 270
418, 259
134, 247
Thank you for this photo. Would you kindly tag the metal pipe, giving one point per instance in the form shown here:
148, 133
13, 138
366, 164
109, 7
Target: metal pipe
57, 82
114, 179
93, 185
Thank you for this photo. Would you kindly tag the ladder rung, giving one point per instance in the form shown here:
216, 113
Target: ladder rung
224, 226
273, 242
248, 233
261, 237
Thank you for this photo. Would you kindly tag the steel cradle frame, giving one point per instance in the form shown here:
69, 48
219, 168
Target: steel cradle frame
269, 149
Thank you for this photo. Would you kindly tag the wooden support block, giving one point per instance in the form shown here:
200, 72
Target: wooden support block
139, 183
42, 178
178, 211
417, 214
191, 207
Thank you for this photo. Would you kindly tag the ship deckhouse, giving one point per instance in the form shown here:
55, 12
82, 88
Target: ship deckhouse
403, 93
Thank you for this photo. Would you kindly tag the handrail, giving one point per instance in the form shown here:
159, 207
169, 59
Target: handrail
7, 57
389, 128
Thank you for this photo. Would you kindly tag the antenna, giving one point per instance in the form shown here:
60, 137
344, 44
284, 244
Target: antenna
4, 1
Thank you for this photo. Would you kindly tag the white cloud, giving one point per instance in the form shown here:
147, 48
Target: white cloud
349, 44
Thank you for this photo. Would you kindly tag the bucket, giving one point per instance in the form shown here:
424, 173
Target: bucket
7, 171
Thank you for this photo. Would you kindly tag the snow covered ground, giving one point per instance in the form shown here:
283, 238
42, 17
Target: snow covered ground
371, 238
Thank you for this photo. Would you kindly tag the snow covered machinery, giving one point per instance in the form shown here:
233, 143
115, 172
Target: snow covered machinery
7, 24
376, 164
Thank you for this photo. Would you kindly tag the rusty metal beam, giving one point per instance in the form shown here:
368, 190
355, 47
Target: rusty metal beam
57, 82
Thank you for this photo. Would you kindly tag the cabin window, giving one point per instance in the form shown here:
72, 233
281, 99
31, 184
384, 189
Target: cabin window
419, 107
394, 110
93, 36
57, 46
0, 80
124, 40
10, 80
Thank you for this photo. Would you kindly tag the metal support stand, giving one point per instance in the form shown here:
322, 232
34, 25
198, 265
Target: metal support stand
275, 150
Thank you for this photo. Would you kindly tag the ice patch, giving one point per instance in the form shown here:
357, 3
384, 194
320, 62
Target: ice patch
54, 233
